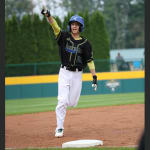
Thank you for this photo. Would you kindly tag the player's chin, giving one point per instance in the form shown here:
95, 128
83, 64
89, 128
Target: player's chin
75, 31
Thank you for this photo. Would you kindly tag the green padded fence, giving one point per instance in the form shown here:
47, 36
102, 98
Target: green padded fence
50, 89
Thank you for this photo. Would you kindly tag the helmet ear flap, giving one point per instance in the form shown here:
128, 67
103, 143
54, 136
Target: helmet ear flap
81, 29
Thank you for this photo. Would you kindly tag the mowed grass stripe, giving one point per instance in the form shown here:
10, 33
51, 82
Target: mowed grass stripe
115, 95
21, 106
83, 100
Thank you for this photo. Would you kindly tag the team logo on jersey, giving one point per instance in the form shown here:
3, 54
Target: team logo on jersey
112, 84
72, 49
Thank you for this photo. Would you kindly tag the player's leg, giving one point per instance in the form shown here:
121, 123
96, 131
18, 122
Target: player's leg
75, 88
63, 94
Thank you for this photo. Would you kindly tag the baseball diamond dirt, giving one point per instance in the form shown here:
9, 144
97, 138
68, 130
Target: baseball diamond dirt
114, 125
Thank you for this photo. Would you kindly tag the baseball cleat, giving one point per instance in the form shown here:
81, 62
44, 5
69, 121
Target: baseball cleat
59, 133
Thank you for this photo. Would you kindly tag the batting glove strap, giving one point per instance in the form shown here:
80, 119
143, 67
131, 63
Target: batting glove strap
94, 84
46, 12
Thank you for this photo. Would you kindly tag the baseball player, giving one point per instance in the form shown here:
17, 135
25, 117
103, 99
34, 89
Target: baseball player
75, 54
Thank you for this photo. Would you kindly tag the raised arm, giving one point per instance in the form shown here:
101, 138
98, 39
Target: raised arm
51, 21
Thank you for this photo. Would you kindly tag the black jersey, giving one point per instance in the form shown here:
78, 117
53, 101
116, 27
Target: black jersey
75, 53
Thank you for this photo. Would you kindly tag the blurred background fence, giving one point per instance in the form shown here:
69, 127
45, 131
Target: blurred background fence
102, 65
47, 68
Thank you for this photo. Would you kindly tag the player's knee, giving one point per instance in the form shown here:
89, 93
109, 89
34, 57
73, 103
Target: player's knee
61, 106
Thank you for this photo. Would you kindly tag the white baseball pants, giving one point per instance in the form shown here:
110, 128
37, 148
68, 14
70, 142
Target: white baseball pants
69, 89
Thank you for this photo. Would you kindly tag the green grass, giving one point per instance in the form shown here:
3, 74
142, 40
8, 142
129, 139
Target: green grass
93, 148
22, 106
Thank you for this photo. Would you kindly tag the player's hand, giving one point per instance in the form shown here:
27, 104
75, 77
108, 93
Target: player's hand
46, 13
94, 84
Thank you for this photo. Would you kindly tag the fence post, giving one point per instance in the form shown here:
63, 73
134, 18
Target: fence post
35, 69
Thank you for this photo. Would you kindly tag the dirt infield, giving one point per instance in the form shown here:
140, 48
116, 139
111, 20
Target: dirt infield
115, 125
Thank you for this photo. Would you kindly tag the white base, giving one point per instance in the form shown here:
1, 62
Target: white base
82, 143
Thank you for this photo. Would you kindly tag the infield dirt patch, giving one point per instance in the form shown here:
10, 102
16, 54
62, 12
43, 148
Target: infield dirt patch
114, 125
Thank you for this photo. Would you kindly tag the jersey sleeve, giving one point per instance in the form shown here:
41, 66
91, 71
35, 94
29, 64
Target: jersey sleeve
91, 65
88, 53
55, 27
61, 37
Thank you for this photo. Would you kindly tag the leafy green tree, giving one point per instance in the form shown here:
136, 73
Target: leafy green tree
116, 15
66, 20
43, 40
13, 45
86, 17
135, 32
78, 5
98, 36
124, 20
28, 40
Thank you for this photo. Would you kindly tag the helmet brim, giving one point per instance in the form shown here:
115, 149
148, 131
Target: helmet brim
75, 21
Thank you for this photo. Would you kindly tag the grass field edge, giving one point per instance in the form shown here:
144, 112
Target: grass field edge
23, 113
130, 147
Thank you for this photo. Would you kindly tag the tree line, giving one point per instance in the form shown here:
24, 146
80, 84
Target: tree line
124, 18
31, 39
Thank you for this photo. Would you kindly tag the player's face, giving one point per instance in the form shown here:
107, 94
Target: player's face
75, 27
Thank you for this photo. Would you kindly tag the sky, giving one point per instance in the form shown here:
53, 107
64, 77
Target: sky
59, 11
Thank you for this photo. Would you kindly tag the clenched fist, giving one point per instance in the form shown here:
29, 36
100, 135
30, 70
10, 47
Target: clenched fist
46, 13
94, 84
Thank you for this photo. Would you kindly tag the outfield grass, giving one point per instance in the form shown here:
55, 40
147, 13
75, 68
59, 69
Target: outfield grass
22, 106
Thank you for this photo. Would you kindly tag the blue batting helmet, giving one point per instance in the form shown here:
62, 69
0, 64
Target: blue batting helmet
78, 19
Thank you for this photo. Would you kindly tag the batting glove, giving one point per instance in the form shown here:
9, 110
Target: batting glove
94, 84
46, 12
